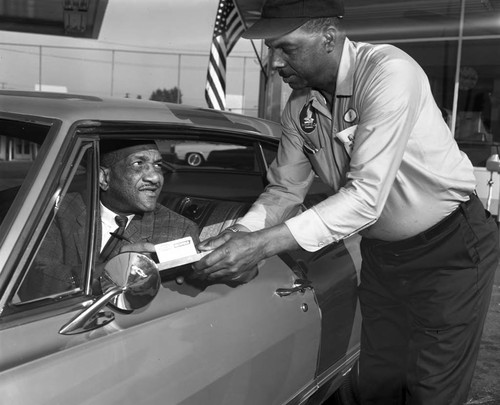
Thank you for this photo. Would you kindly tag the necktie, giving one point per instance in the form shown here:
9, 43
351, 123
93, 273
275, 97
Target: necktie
121, 221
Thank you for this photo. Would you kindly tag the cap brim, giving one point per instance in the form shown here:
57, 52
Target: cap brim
112, 151
273, 27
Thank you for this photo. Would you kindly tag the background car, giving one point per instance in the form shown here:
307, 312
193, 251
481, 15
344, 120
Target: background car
197, 153
288, 336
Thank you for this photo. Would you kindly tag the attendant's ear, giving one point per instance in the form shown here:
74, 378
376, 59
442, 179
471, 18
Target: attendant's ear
104, 178
330, 38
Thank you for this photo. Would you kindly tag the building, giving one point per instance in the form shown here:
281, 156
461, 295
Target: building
457, 42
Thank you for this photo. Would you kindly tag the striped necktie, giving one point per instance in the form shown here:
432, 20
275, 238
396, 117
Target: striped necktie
121, 221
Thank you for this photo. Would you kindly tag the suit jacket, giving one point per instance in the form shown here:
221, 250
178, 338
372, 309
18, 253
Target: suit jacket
58, 264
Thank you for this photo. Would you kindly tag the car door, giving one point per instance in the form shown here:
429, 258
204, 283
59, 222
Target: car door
234, 171
194, 343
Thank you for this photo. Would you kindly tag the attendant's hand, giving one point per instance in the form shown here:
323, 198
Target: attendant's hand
233, 258
218, 240
236, 255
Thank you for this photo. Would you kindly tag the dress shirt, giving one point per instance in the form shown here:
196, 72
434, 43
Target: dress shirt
384, 149
109, 224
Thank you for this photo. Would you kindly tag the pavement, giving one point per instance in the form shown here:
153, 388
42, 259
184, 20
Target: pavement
485, 388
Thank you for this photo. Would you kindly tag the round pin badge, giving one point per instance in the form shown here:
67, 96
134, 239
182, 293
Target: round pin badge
307, 119
350, 116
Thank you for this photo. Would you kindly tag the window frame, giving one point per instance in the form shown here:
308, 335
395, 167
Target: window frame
60, 183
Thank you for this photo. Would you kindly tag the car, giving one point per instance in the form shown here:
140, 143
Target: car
290, 335
198, 153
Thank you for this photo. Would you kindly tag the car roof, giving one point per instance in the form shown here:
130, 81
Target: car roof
70, 108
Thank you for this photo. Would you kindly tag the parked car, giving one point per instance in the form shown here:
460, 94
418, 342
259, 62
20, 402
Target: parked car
289, 336
198, 153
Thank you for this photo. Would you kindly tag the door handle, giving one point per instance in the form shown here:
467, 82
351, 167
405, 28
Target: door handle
299, 285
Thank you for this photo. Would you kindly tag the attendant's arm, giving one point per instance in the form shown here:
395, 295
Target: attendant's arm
289, 177
389, 113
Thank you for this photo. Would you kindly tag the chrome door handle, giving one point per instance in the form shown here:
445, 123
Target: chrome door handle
299, 285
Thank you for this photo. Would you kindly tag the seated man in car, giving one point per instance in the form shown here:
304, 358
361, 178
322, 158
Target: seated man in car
130, 181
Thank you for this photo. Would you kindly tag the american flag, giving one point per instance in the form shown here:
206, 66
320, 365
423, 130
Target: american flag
228, 29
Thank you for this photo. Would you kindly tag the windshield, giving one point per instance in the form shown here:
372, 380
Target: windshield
20, 142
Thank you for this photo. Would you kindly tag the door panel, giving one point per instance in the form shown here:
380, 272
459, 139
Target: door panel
333, 272
217, 344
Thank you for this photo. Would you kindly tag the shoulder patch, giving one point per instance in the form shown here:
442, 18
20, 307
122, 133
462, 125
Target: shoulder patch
307, 119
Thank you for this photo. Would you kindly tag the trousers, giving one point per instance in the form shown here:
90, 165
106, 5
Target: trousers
423, 304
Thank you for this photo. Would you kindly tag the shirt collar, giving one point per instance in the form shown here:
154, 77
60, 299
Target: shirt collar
108, 216
345, 76
318, 102
345, 79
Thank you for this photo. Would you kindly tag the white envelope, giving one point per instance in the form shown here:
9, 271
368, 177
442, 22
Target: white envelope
175, 249
177, 253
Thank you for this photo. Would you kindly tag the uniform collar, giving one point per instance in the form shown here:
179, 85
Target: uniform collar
345, 79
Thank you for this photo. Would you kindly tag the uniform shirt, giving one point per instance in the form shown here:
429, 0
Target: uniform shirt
384, 149
109, 224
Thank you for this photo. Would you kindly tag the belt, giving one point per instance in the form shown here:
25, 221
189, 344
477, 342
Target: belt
426, 235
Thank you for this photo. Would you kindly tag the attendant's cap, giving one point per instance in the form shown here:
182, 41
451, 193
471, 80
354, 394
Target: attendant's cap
279, 17
113, 150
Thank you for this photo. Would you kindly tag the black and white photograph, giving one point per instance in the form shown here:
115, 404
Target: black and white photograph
249, 202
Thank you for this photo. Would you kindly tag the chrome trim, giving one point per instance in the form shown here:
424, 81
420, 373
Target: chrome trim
336, 371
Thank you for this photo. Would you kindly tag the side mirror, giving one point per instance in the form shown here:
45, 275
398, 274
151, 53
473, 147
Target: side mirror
129, 281
493, 163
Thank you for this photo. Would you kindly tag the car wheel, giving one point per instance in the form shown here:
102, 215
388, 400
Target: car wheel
194, 159
348, 392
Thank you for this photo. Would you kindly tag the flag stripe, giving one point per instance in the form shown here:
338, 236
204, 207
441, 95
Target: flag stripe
217, 82
216, 101
235, 29
227, 30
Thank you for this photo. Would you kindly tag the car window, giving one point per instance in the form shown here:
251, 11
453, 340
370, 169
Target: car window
20, 143
269, 153
209, 154
58, 267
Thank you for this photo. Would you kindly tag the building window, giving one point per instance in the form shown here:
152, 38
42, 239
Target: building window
458, 45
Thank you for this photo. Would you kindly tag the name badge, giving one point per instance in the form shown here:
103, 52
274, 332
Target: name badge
350, 115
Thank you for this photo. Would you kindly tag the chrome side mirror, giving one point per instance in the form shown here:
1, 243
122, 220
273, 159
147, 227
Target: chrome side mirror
493, 166
493, 163
129, 281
